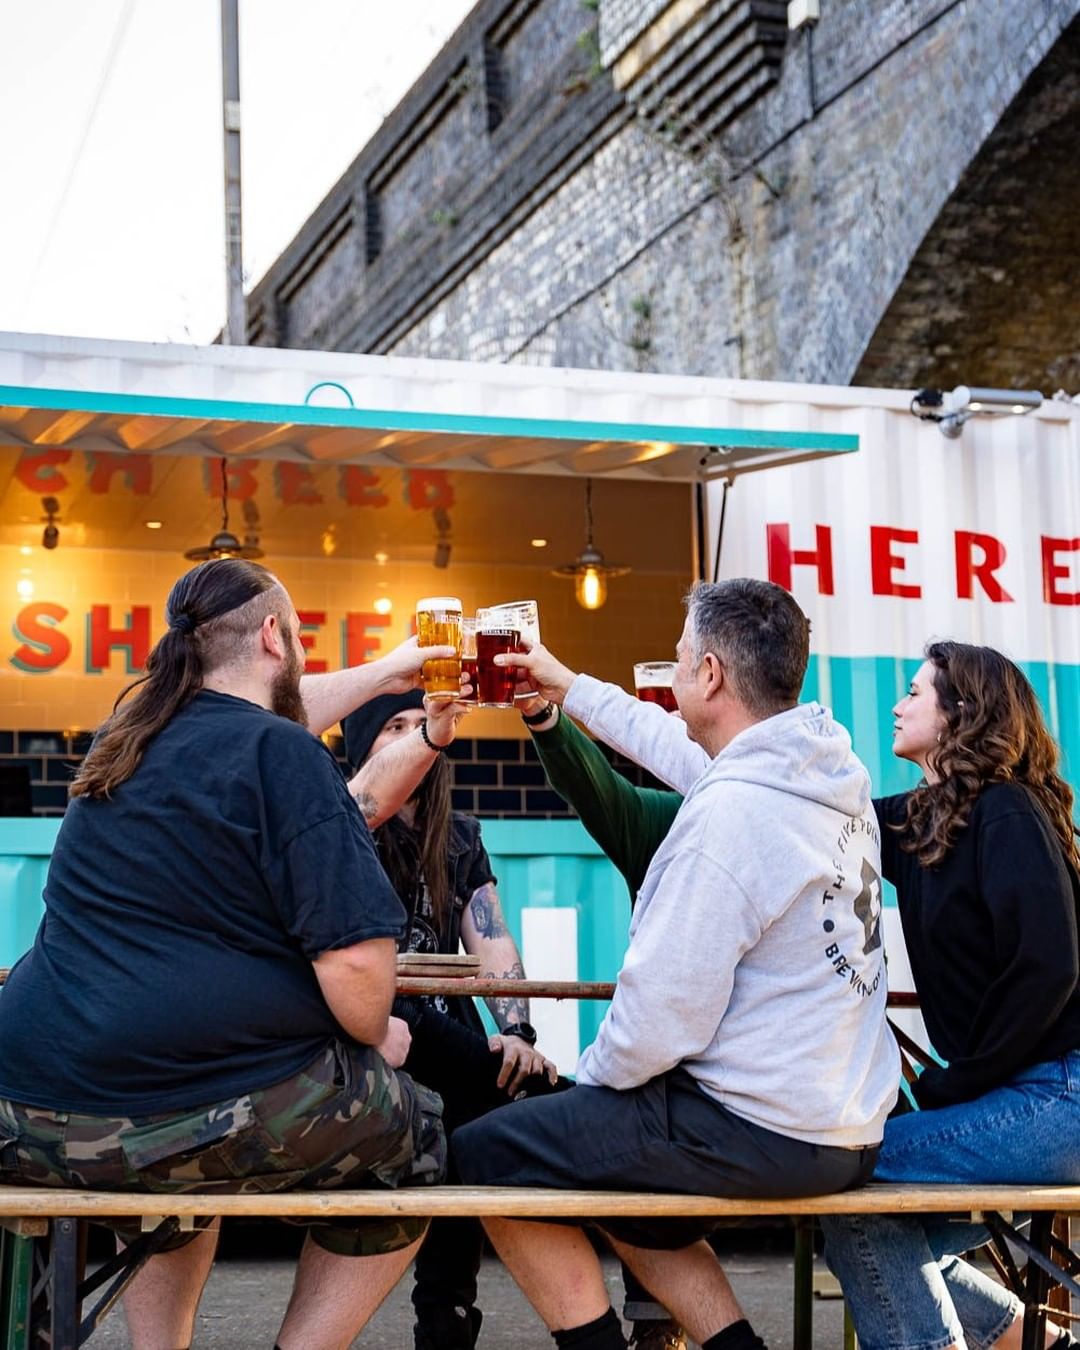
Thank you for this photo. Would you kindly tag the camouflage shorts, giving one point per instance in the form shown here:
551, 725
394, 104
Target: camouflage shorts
345, 1121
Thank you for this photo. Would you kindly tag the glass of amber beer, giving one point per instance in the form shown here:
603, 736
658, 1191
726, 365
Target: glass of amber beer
494, 635
523, 615
468, 658
652, 680
438, 624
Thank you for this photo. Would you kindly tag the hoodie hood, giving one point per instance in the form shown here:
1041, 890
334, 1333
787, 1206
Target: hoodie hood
802, 752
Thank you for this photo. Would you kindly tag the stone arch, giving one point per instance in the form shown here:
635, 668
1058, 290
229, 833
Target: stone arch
992, 294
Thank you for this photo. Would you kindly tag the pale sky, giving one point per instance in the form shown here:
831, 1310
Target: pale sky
111, 152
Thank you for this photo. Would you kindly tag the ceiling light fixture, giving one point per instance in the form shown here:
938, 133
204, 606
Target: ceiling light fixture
224, 544
589, 571
153, 524
538, 543
50, 535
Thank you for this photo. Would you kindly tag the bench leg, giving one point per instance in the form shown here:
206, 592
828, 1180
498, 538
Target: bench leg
802, 1312
1060, 1300
1038, 1285
16, 1280
64, 1303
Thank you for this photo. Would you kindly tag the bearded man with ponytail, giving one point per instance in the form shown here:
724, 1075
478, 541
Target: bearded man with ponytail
205, 999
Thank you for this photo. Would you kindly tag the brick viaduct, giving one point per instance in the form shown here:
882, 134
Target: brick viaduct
890, 197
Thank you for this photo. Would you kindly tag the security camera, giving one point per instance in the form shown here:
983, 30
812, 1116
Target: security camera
950, 411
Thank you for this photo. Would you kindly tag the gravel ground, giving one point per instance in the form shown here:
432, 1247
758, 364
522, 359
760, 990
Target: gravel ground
245, 1298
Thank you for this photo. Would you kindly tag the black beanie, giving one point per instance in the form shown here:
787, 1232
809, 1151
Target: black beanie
361, 727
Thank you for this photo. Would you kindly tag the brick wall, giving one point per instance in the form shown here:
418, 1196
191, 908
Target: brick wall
763, 239
499, 778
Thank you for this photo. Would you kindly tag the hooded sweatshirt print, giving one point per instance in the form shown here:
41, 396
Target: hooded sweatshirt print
755, 958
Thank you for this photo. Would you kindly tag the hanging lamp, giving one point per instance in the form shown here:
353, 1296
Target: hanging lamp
589, 571
224, 544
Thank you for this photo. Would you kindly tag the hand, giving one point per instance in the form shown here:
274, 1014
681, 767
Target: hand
396, 1044
443, 715
520, 1060
399, 670
548, 675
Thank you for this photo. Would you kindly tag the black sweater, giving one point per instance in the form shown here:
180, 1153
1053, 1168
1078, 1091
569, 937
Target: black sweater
992, 937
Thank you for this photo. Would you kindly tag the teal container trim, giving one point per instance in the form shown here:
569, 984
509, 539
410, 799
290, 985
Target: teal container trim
114, 403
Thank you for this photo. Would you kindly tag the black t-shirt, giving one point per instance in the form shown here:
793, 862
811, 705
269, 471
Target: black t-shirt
173, 966
992, 937
468, 868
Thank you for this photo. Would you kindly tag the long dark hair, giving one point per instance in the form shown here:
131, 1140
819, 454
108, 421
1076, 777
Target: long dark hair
211, 611
994, 733
397, 851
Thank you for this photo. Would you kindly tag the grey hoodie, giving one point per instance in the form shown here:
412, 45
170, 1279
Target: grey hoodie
755, 957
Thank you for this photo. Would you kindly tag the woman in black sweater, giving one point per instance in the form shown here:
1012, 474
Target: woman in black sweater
984, 858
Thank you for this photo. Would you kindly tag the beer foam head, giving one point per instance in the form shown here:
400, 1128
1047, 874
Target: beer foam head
437, 603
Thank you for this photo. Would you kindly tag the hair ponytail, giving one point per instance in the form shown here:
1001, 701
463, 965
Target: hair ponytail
211, 612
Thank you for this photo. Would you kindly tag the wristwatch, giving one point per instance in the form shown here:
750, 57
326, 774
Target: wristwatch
524, 1031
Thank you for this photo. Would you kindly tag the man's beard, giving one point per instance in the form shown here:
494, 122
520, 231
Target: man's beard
285, 698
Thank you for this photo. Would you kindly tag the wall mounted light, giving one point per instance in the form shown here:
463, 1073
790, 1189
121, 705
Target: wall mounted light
951, 410
589, 572
224, 544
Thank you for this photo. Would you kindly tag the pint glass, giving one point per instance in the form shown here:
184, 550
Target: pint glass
438, 624
652, 680
494, 635
468, 658
524, 615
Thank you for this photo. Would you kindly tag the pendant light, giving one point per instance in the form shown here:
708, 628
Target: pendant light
224, 544
589, 571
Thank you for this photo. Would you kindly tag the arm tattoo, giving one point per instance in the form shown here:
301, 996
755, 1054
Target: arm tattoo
368, 804
507, 1010
487, 916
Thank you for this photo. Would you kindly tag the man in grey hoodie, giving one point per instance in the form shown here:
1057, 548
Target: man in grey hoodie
745, 1051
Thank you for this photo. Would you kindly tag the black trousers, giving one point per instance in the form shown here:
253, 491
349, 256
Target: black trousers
667, 1135
455, 1061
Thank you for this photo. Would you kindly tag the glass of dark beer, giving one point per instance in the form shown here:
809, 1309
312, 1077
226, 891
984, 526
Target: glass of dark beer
468, 658
524, 615
652, 680
495, 635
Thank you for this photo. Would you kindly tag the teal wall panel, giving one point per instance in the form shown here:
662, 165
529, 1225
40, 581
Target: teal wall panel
25, 849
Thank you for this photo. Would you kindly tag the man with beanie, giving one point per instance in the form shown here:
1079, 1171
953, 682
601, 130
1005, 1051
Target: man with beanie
746, 1050
438, 865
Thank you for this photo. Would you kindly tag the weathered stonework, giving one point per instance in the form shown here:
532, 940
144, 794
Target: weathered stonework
843, 212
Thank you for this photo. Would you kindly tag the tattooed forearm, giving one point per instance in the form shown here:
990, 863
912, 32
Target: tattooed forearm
487, 916
507, 1010
368, 804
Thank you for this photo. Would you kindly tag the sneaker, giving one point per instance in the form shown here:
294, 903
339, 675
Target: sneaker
657, 1335
447, 1329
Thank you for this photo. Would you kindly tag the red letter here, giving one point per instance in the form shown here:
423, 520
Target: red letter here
968, 569
1053, 571
884, 563
782, 557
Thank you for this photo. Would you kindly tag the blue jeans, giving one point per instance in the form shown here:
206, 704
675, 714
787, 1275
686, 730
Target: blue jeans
905, 1285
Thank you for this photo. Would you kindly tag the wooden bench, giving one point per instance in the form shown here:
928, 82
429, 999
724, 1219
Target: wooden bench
44, 1229
50, 1226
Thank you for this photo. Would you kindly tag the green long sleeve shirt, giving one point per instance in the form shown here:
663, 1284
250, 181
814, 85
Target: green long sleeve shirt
627, 822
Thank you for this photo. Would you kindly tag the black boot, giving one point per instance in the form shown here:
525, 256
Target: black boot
447, 1328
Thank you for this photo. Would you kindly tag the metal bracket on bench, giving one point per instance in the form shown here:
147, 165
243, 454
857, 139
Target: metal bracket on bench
125, 1266
150, 1223
1003, 1229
